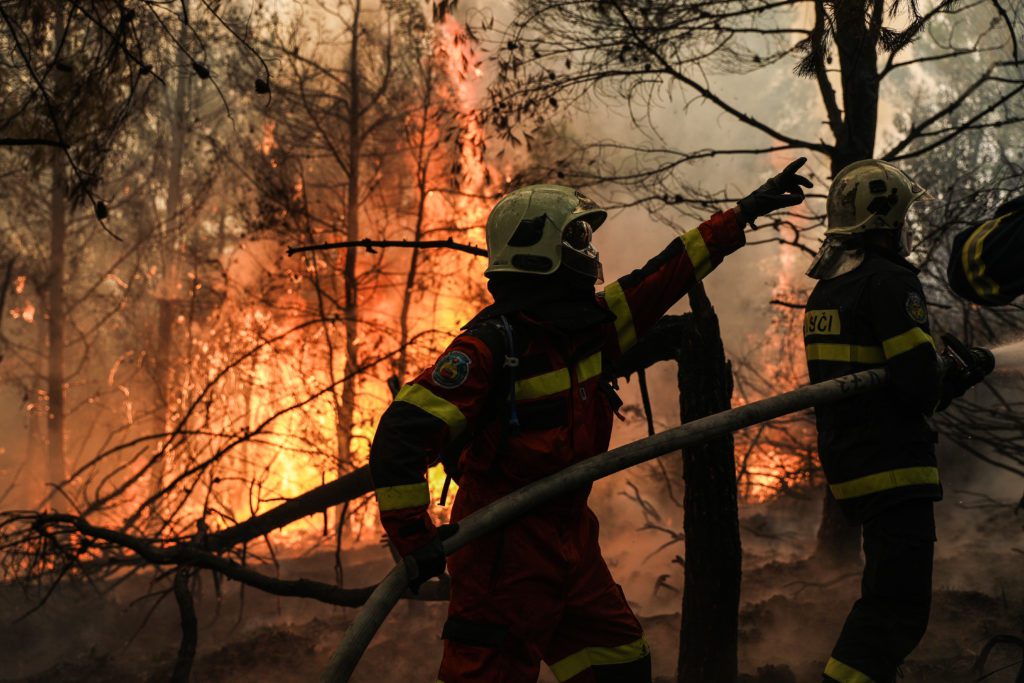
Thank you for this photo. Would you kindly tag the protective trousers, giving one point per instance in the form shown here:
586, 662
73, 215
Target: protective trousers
891, 616
536, 591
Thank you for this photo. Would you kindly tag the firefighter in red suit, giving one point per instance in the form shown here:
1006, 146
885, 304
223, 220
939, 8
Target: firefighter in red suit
519, 395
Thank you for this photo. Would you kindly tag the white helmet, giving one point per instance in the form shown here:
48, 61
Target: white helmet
865, 195
537, 228
871, 195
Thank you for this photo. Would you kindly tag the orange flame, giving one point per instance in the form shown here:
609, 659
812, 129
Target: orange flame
297, 449
779, 456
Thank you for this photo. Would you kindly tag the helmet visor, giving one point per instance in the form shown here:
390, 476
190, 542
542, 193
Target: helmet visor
578, 252
578, 235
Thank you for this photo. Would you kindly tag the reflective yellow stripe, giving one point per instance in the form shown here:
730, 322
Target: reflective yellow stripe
974, 266
543, 385
589, 367
844, 673
618, 305
557, 381
698, 252
425, 399
902, 343
883, 481
402, 497
846, 353
578, 662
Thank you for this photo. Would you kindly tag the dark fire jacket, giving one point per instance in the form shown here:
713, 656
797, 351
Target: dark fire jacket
986, 265
876, 449
565, 415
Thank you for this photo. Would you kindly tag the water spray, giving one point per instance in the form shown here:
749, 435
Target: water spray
1009, 357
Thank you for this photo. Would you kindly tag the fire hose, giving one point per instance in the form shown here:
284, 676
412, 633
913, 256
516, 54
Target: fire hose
975, 362
358, 636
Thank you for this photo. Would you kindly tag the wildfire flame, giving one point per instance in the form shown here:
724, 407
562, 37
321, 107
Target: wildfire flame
293, 450
778, 456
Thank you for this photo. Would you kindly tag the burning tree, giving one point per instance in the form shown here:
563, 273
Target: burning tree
341, 147
270, 370
79, 80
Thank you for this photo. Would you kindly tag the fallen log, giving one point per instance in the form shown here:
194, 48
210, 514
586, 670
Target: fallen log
357, 638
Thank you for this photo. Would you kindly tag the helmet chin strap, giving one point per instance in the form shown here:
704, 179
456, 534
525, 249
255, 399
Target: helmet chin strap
581, 266
905, 241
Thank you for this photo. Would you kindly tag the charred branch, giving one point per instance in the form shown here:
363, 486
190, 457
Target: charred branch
996, 641
32, 142
348, 487
369, 245
55, 526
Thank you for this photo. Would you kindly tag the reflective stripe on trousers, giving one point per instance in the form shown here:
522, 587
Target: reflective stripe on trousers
582, 660
884, 481
844, 673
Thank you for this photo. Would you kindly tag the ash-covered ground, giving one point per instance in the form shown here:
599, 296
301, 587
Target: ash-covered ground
792, 611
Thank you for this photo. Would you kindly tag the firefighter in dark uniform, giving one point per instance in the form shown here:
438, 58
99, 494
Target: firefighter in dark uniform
986, 264
519, 395
878, 450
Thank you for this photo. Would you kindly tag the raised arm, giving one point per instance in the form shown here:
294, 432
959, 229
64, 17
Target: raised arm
640, 298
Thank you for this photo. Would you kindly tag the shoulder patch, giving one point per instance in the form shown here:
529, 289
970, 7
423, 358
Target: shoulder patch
916, 308
451, 370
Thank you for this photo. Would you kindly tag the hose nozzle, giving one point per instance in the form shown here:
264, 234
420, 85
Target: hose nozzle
973, 363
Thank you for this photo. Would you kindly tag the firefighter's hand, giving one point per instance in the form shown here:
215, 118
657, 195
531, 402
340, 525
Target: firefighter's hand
966, 366
428, 560
781, 191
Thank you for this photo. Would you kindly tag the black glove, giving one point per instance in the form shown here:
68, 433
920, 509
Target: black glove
965, 367
428, 560
779, 192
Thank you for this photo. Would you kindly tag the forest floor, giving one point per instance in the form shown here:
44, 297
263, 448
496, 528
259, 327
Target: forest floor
791, 613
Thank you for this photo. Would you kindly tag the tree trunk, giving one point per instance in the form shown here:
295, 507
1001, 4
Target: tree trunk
857, 30
37, 467
348, 392
711, 591
55, 326
422, 179
351, 233
189, 628
170, 290
858, 24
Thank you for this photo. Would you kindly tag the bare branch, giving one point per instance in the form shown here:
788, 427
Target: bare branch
370, 244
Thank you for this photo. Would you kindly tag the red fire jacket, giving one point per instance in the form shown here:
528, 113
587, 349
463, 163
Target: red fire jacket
564, 414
